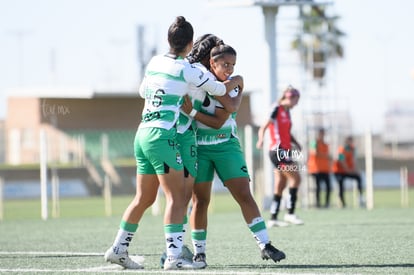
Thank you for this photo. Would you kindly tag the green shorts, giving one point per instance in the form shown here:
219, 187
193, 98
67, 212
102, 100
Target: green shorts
188, 150
156, 150
226, 159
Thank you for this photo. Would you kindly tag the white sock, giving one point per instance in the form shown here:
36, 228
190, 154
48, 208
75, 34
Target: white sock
174, 244
122, 241
259, 231
199, 240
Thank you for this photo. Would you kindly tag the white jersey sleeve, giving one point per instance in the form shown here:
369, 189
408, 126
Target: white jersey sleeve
142, 88
198, 75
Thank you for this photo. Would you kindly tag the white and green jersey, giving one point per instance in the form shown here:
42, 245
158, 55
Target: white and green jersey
184, 120
206, 103
167, 79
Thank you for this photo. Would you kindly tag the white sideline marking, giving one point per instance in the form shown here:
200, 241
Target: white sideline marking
111, 268
143, 271
138, 258
51, 253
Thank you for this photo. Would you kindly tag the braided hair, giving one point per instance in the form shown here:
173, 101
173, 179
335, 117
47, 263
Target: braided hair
202, 48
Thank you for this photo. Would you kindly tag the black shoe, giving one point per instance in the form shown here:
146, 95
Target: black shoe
199, 260
271, 252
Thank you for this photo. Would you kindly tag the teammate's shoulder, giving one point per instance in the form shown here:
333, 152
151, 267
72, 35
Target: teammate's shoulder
158, 61
158, 58
197, 72
196, 66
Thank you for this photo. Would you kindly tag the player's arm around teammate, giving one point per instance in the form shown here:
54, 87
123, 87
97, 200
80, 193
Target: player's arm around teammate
219, 151
167, 79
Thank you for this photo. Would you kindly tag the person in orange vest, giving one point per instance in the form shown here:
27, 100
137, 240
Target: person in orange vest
344, 168
319, 163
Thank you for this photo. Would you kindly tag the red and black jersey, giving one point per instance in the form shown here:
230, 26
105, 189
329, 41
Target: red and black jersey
280, 128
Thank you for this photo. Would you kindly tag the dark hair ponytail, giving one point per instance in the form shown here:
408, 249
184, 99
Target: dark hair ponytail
180, 33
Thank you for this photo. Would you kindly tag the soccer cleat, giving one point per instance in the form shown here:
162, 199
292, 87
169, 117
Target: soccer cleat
199, 260
178, 263
121, 259
271, 252
186, 254
276, 223
293, 219
162, 259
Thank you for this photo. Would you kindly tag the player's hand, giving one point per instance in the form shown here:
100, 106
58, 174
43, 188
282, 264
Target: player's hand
187, 105
240, 82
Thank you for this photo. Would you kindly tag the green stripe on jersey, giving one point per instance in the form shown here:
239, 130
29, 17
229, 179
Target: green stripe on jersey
169, 99
167, 76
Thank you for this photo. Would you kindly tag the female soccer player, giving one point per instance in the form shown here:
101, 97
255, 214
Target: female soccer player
186, 128
167, 79
280, 153
219, 151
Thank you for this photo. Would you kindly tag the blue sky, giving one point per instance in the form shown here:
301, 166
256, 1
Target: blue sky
93, 44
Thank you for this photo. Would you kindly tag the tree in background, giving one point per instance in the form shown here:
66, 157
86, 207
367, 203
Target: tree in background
318, 40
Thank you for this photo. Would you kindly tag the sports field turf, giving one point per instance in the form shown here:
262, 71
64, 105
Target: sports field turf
332, 241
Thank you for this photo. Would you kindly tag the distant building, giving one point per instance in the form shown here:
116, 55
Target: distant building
337, 122
399, 124
69, 119
77, 123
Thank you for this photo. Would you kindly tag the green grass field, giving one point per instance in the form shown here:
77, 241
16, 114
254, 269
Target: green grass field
332, 241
